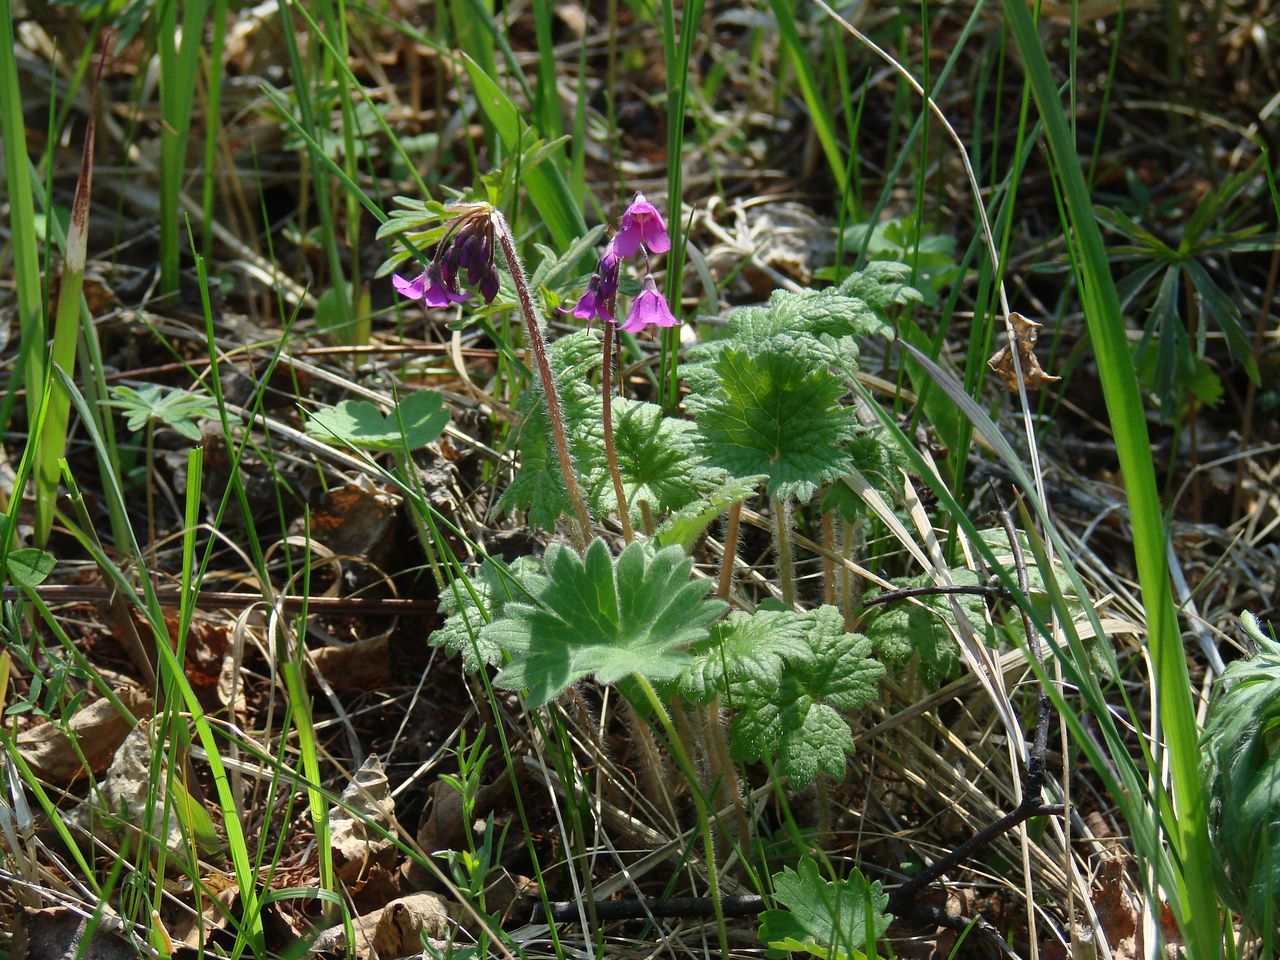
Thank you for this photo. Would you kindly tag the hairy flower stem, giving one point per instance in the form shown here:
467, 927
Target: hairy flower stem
782, 545
725, 776
538, 346
829, 560
611, 451
699, 802
730, 550
846, 575
646, 518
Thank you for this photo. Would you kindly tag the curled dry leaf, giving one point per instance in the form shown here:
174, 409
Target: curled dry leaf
98, 729
358, 848
1001, 363
394, 931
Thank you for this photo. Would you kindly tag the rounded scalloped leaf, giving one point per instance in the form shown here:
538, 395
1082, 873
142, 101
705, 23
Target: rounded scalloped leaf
774, 413
418, 420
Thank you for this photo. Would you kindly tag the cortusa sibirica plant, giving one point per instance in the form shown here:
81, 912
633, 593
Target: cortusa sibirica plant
738, 678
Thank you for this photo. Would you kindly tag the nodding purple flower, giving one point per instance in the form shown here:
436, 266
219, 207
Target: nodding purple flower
649, 308
594, 303
467, 245
430, 288
601, 291
607, 271
641, 225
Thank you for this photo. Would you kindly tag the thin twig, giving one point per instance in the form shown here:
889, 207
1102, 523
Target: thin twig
892, 596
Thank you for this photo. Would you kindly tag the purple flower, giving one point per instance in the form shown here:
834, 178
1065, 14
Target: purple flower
593, 303
641, 224
429, 287
607, 271
649, 309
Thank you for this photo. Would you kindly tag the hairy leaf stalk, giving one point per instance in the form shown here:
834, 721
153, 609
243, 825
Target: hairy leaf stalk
549, 391
782, 514
730, 550
699, 802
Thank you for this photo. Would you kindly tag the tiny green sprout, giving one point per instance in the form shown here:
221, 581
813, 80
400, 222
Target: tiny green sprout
418, 420
151, 404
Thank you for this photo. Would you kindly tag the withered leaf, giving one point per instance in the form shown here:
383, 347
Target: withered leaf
1025, 333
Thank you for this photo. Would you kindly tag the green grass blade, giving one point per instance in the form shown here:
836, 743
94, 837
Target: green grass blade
547, 188
546, 99
22, 218
52, 439
801, 61
1199, 903
676, 60
179, 64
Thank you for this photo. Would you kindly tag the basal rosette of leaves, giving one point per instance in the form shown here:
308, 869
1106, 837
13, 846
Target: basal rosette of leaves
1242, 768
604, 617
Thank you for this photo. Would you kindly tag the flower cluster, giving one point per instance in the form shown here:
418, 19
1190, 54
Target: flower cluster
468, 245
642, 228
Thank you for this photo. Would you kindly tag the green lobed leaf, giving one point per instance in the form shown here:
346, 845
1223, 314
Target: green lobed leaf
775, 414
469, 610
745, 646
924, 627
599, 616
684, 526
421, 419
1242, 770
826, 919
878, 459
882, 284
176, 408
798, 718
658, 460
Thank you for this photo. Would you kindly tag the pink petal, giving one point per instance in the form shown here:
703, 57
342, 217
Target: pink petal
413, 289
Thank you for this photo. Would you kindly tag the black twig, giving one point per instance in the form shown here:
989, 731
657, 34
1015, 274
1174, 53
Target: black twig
569, 911
902, 900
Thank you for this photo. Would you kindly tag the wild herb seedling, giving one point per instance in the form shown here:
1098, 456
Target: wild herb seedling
149, 407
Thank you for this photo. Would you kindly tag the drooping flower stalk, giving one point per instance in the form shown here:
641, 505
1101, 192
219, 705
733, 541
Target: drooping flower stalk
549, 391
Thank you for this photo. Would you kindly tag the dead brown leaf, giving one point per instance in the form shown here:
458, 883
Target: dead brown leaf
394, 931
363, 665
98, 729
357, 847
1025, 333
358, 520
